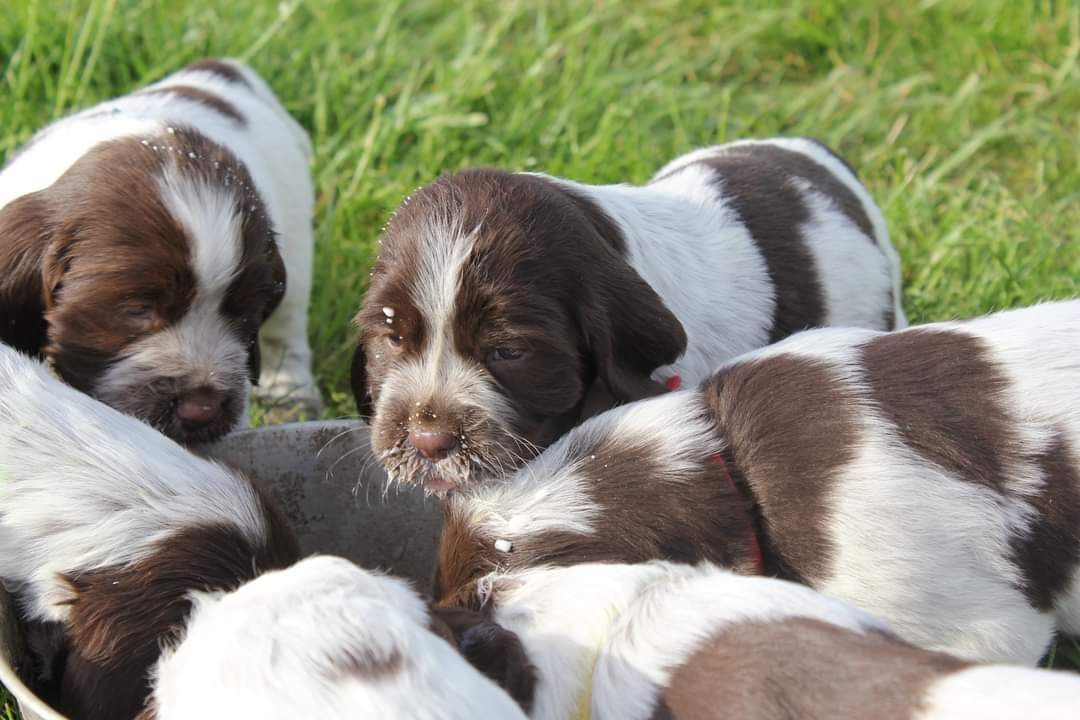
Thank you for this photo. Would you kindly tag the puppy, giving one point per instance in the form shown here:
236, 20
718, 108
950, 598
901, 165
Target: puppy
506, 307
659, 640
322, 639
929, 476
107, 526
145, 241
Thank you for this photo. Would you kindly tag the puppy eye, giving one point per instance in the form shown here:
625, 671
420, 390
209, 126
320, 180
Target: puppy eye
138, 310
394, 340
503, 354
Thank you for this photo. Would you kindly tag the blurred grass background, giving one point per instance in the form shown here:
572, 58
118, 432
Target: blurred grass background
963, 118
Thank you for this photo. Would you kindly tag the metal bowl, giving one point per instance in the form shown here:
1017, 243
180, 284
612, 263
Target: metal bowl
333, 492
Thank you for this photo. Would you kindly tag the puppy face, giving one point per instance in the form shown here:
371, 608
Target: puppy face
156, 265
500, 312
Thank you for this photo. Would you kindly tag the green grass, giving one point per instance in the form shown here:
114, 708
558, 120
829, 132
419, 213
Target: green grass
963, 118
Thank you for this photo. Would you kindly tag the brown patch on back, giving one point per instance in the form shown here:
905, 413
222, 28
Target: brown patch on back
945, 397
208, 99
791, 427
648, 512
1048, 556
222, 69
759, 183
121, 615
802, 668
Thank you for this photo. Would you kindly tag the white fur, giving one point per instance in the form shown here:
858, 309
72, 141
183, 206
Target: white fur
687, 242
279, 648
276, 151
83, 486
1003, 693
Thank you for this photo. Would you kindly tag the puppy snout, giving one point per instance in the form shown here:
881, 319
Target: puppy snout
199, 408
433, 445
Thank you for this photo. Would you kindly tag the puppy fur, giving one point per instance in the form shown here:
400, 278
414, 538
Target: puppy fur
145, 241
322, 639
506, 307
106, 526
930, 476
659, 641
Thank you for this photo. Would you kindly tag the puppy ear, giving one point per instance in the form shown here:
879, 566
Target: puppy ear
358, 380
279, 279
630, 333
499, 654
254, 361
25, 233
490, 648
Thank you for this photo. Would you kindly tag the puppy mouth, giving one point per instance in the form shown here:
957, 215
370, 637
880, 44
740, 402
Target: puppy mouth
437, 484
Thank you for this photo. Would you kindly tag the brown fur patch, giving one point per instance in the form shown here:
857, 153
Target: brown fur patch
802, 668
120, 616
944, 395
222, 69
1049, 555
208, 99
648, 512
758, 182
789, 447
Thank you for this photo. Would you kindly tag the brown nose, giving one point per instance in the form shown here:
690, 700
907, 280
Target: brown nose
433, 445
199, 407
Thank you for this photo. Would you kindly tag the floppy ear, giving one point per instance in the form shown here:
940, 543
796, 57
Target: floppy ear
630, 333
495, 651
358, 380
24, 236
254, 361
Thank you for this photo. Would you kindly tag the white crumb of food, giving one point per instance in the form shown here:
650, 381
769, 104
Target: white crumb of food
388, 312
503, 545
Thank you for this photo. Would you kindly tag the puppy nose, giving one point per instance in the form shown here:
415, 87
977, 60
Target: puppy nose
199, 407
433, 445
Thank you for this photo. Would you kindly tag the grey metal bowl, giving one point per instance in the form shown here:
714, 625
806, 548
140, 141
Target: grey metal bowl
334, 494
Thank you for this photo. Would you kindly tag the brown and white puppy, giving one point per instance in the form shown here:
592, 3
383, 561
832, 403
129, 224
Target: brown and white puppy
321, 639
145, 241
660, 641
504, 308
929, 476
107, 526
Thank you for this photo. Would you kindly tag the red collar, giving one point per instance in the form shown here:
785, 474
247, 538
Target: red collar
751, 534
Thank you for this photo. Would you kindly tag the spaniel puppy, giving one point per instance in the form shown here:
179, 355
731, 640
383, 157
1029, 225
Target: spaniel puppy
322, 639
107, 526
929, 476
504, 308
145, 241
663, 641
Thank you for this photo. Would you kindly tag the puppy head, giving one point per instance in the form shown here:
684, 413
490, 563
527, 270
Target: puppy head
153, 263
320, 639
501, 311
